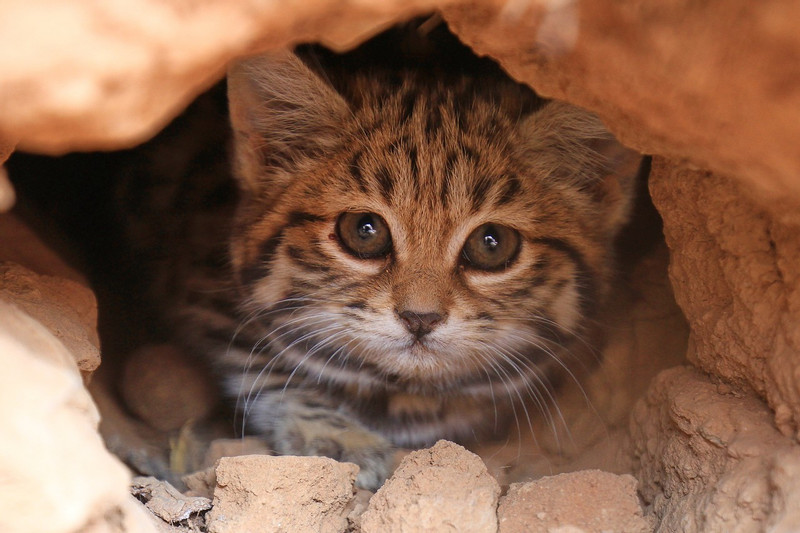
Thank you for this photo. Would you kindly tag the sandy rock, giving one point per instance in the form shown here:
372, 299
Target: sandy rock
57, 475
736, 271
257, 493
119, 80
66, 308
443, 488
717, 82
710, 460
110, 74
34, 278
164, 388
587, 501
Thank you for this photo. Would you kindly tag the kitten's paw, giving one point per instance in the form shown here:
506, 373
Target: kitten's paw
330, 434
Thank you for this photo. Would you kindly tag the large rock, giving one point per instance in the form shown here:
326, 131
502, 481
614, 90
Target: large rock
258, 493
89, 75
57, 475
443, 488
716, 82
710, 460
735, 267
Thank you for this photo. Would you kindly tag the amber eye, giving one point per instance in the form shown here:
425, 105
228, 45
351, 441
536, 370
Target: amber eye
491, 247
364, 235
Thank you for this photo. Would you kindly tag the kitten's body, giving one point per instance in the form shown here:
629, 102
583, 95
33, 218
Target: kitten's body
328, 352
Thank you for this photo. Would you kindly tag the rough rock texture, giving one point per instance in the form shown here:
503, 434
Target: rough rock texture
710, 459
717, 82
257, 493
736, 270
725, 65
65, 307
589, 501
443, 488
57, 475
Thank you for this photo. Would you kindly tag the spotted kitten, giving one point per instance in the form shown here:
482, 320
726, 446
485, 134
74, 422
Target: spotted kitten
418, 248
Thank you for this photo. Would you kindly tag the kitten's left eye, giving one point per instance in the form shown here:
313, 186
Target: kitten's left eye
491, 247
364, 235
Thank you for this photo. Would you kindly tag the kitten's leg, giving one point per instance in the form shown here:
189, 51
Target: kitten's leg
296, 422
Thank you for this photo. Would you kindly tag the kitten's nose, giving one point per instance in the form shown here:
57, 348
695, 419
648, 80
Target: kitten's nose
420, 324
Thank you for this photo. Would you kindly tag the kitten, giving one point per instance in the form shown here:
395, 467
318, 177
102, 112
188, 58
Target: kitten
417, 247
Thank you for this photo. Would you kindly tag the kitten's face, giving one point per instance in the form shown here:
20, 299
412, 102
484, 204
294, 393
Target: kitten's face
420, 242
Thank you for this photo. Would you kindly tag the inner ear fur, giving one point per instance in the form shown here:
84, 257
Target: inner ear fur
280, 111
571, 144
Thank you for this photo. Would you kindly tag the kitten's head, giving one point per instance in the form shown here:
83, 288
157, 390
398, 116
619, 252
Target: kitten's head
428, 234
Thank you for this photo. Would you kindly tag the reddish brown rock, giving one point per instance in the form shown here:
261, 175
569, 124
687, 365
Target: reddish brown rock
736, 271
589, 501
716, 82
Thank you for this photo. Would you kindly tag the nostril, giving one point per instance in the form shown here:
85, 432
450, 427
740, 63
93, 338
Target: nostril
420, 324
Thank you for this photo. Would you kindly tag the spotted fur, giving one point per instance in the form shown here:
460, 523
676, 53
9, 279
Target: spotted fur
310, 340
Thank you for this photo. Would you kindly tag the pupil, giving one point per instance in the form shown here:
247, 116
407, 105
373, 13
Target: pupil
490, 242
366, 229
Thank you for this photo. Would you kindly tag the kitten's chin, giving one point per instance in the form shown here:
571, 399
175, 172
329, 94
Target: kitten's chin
422, 365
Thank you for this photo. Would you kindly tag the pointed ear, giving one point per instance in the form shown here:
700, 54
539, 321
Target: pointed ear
572, 145
281, 112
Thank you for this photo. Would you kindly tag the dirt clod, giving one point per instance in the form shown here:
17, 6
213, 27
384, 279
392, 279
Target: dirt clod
443, 488
586, 501
257, 493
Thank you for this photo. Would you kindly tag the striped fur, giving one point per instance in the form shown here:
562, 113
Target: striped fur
309, 339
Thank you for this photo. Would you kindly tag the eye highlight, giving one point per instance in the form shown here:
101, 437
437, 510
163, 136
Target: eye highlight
364, 235
491, 247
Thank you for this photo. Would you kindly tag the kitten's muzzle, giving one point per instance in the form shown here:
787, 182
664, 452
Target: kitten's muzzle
420, 324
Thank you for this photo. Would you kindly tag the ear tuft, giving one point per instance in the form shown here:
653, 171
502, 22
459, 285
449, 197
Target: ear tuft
281, 112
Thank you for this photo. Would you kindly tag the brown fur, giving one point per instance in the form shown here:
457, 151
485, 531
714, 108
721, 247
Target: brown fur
311, 339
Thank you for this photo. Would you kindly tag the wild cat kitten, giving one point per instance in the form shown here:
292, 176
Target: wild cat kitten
418, 247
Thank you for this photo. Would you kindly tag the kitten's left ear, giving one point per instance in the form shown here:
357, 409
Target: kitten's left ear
281, 111
573, 145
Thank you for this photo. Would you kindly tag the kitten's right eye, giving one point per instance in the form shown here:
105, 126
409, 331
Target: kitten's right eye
365, 235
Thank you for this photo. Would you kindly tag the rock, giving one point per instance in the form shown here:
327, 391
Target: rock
586, 501
112, 74
20, 244
164, 501
736, 271
715, 82
66, 308
713, 462
257, 493
443, 488
57, 475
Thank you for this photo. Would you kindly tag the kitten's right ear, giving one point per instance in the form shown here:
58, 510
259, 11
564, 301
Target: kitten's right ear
281, 112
